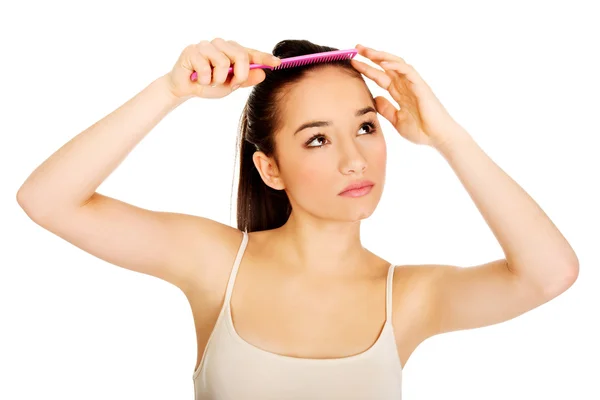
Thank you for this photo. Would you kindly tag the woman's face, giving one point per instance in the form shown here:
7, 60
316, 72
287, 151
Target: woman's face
317, 161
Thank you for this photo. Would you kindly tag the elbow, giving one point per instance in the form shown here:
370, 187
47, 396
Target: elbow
43, 209
29, 203
572, 270
24, 201
565, 279
572, 273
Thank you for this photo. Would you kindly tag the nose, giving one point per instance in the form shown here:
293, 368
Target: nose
353, 161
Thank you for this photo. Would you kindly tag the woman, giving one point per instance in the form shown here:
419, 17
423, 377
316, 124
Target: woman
313, 314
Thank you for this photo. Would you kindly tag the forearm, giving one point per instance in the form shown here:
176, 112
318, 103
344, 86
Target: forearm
533, 246
71, 175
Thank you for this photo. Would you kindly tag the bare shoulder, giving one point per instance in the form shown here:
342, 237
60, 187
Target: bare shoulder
414, 290
217, 254
413, 307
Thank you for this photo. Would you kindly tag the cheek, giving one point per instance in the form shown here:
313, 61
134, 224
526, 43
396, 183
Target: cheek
379, 155
310, 178
312, 175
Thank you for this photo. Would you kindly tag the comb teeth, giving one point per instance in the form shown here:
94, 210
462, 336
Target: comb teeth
316, 58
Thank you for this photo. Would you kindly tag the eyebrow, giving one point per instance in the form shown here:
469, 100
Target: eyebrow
313, 124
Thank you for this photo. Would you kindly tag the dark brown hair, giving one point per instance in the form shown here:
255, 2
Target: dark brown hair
260, 207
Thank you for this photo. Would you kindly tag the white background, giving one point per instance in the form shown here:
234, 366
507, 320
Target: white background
521, 77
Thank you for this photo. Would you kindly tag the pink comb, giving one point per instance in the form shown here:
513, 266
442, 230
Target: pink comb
291, 62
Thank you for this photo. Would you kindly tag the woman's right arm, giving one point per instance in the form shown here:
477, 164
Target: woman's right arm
60, 194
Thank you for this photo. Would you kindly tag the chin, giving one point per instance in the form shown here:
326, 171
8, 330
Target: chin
358, 211
364, 213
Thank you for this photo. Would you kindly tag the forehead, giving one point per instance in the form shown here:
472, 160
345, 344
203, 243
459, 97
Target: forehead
325, 92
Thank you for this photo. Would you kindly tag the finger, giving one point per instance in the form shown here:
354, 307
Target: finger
387, 109
402, 68
241, 62
380, 57
378, 76
201, 65
376, 55
383, 79
221, 70
255, 77
217, 59
259, 57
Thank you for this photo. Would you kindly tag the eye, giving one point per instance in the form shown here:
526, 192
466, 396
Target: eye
313, 138
370, 125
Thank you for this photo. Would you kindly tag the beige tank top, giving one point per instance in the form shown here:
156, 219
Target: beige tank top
233, 369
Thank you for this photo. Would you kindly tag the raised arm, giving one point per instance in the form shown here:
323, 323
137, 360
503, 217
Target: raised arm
60, 195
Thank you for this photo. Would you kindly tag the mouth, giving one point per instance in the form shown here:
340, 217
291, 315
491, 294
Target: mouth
357, 189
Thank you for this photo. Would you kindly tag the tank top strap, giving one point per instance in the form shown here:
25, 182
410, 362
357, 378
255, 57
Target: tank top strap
236, 266
388, 293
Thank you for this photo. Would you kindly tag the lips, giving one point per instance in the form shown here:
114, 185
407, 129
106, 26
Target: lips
357, 185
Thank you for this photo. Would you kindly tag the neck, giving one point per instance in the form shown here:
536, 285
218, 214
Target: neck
328, 247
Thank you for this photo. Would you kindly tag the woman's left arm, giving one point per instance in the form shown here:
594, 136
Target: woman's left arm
539, 265
534, 248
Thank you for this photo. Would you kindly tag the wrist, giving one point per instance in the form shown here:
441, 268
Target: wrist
165, 84
456, 138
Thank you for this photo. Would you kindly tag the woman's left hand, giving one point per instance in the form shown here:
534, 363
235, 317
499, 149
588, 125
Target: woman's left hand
421, 119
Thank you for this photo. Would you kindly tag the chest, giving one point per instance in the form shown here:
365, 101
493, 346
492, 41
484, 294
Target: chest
307, 320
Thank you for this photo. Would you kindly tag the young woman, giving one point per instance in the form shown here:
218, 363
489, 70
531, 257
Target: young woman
289, 304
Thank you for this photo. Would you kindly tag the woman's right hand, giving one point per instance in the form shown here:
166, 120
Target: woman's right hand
211, 60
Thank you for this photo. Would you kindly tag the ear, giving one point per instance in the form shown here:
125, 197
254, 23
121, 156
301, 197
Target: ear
268, 170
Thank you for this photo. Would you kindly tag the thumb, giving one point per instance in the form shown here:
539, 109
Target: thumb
387, 109
255, 77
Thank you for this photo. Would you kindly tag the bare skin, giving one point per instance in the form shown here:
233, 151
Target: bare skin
326, 292
287, 312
